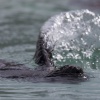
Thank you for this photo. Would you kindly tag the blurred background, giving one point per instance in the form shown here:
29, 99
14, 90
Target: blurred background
20, 23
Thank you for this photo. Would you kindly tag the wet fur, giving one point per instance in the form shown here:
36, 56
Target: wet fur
42, 55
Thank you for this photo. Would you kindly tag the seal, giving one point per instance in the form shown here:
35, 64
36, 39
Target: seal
46, 69
12, 70
45, 72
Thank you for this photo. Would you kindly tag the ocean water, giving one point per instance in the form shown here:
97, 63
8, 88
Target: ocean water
20, 23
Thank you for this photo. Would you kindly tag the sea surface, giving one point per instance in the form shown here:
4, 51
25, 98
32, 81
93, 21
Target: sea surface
20, 23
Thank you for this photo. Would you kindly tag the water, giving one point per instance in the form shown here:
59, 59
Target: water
75, 38
20, 23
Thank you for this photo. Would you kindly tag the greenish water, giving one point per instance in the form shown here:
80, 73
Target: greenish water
20, 23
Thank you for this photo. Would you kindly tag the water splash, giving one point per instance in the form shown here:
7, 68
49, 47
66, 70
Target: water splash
75, 38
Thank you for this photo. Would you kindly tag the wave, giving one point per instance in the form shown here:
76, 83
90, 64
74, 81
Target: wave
74, 37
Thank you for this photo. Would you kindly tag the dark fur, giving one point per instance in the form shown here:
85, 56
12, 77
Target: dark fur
13, 70
42, 55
